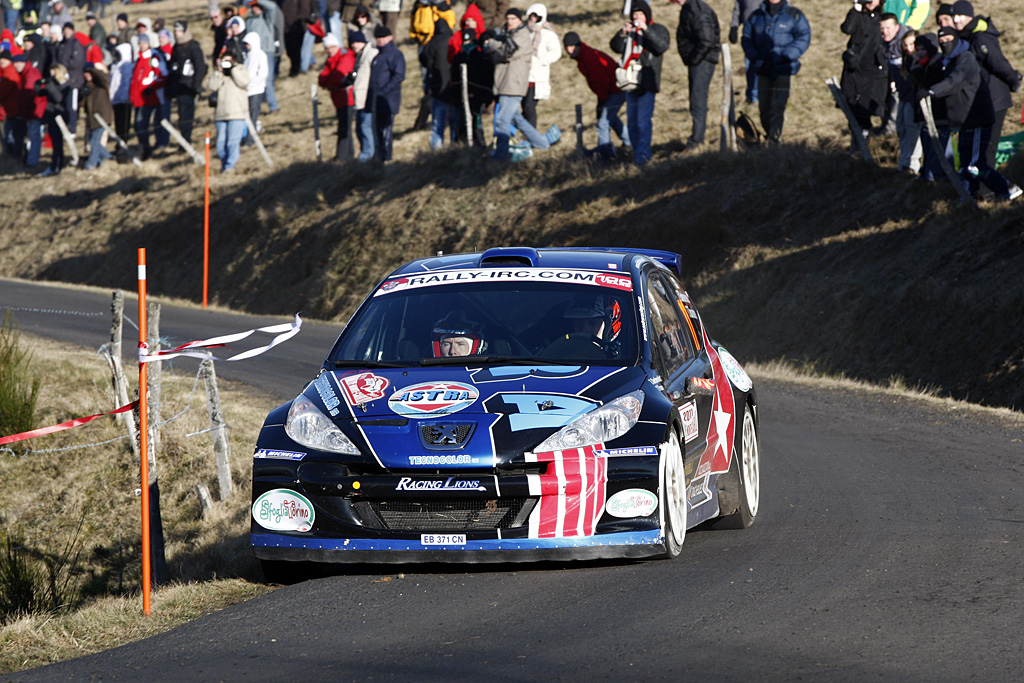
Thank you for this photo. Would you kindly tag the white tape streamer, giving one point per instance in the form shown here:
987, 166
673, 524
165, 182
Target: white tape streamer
284, 332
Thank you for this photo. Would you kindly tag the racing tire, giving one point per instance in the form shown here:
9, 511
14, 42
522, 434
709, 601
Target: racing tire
739, 489
673, 497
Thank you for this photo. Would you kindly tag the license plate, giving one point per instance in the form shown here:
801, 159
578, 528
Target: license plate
443, 539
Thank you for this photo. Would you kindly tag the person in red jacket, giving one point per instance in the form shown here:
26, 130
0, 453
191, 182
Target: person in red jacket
31, 109
147, 91
599, 70
473, 19
337, 77
10, 82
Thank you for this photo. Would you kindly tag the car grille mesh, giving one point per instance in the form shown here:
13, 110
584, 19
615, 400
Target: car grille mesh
443, 514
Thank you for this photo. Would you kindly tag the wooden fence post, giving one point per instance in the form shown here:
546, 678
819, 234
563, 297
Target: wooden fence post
221, 450
69, 138
933, 134
180, 139
579, 132
858, 132
120, 142
259, 143
316, 123
112, 354
154, 377
465, 105
728, 141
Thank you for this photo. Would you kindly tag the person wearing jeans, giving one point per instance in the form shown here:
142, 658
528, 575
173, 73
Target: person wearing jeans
510, 113
697, 38
365, 52
229, 81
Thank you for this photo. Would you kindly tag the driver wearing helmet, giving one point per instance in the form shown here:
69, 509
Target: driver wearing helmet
456, 335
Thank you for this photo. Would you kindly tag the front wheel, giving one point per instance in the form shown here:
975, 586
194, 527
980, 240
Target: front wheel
673, 496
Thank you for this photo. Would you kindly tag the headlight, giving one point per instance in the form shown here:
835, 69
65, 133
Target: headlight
608, 422
310, 427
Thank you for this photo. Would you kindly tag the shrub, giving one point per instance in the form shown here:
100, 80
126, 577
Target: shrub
18, 390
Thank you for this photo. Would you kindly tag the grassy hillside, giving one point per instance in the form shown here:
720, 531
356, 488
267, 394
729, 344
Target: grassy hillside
799, 253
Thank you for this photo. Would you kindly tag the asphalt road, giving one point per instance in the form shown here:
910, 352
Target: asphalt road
888, 547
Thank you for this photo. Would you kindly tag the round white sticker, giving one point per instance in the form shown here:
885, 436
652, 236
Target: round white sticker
631, 503
737, 375
283, 510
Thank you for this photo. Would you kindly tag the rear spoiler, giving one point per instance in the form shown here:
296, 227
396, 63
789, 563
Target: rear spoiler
668, 258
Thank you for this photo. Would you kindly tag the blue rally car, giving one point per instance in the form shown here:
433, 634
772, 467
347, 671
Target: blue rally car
514, 404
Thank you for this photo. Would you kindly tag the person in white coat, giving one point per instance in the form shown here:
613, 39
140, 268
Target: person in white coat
547, 49
258, 68
365, 52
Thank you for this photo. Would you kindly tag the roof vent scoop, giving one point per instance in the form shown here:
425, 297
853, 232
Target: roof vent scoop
505, 256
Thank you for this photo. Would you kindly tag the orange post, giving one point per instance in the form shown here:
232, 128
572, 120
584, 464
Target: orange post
144, 436
206, 225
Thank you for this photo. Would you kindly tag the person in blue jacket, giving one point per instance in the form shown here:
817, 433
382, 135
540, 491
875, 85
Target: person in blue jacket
387, 71
774, 38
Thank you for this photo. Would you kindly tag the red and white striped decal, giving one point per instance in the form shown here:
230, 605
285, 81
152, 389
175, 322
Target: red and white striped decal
572, 492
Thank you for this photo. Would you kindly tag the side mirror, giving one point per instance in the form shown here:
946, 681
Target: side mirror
699, 386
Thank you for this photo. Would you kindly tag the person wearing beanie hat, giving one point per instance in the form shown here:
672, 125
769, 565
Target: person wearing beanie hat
514, 12
97, 33
230, 80
71, 53
123, 29
97, 103
512, 50
387, 71
962, 103
434, 58
865, 78
909, 13
493, 11
337, 77
996, 71
186, 71
698, 38
774, 45
361, 103
599, 70
642, 45
944, 15
28, 120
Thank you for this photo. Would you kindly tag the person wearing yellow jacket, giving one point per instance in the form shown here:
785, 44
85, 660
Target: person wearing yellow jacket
425, 13
910, 13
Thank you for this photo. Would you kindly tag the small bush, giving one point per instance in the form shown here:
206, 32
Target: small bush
18, 390
31, 582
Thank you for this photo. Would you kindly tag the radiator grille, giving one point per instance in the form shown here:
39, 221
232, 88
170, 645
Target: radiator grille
444, 514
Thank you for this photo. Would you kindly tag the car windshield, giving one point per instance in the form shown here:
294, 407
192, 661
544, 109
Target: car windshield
448, 321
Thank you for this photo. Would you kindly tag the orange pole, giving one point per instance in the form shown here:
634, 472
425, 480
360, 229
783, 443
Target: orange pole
144, 436
206, 225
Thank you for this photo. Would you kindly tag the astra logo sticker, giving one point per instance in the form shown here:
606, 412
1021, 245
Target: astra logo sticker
501, 374
688, 414
327, 395
449, 484
364, 387
279, 455
432, 398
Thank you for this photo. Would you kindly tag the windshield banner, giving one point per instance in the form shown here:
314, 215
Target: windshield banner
620, 281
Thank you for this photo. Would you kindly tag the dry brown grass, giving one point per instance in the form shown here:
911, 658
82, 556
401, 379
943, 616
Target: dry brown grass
49, 492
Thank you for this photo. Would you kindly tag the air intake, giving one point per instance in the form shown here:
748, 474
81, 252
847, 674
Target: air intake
505, 256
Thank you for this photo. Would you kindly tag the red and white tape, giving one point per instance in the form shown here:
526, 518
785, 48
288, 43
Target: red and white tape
43, 431
284, 332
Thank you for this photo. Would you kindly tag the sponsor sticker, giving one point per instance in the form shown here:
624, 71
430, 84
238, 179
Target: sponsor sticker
698, 492
278, 455
632, 503
688, 414
704, 383
737, 375
364, 387
283, 510
450, 277
327, 395
443, 539
449, 484
430, 399
462, 459
639, 450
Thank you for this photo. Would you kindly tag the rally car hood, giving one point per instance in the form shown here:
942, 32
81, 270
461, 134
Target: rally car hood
459, 417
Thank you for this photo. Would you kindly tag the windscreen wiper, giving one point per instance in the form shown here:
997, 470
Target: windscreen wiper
488, 360
366, 364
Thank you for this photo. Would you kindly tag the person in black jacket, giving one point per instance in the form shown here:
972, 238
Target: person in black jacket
71, 54
967, 107
386, 75
865, 79
186, 71
479, 86
434, 58
1001, 78
641, 40
54, 87
698, 38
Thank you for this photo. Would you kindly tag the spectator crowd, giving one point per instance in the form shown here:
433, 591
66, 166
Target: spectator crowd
125, 84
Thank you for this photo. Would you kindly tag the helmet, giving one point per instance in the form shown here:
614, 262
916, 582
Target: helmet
455, 324
604, 308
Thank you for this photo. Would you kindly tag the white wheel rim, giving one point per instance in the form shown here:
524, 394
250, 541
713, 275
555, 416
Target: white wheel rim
675, 489
751, 464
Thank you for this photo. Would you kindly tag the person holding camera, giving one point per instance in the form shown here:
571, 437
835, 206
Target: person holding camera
230, 81
147, 91
642, 43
